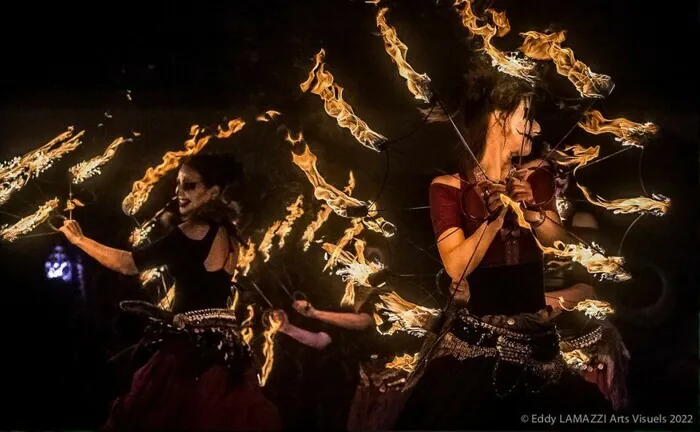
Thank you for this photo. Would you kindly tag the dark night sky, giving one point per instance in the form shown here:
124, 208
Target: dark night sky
193, 63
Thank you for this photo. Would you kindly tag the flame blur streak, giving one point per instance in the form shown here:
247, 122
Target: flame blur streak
72, 204
541, 46
151, 274
404, 315
15, 173
89, 168
295, 212
418, 84
236, 299
627, 132
266, 243
166, 303
332, 96
576, 359
246, 326
28, 223
580, 155
595, 309
354, 230
507, 63
269, 348
338, 201
658, 205
140, 234
405, 362
246, 256
268, 116
322, 216
355, 269
171, 160
607, 268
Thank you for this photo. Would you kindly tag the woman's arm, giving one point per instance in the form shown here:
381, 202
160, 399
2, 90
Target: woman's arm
318, 340
346, 320
114, 259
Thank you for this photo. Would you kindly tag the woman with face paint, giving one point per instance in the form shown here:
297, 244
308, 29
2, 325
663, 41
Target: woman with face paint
193, 382
496, 361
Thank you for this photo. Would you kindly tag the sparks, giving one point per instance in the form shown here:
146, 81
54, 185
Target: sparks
404, 315
28, 223
171, 160
541, 46
332, 95
269, 348
89, 168
626, 131
658, 205
418, 84
509, 63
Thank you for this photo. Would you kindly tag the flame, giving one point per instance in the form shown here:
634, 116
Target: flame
72, 204
266, 243
151, 274
269, 348
509, 63
658, 205
246, 326
541, 46
355, 270
86, 169
580, 155
626, 131
350, 233
15, 173
295, 212
267, 116
171, 160
418, 84
246, 256
338, 201
576, 359
404, 315
141, 233
332, 96
322, 216
236, 299
594, 261
166, 303
28, 223
405, 362
591, 308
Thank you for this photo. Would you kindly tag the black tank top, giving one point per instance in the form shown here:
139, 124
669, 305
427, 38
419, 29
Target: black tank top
195, 287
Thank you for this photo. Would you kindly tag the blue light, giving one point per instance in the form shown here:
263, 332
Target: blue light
58, 266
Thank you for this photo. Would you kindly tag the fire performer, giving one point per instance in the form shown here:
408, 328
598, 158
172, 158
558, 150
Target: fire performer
497, 357
197, 380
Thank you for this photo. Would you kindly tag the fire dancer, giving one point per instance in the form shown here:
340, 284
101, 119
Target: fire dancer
194, 381
497, 358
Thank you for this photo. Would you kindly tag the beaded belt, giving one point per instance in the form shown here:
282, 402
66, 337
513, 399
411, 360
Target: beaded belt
537, 353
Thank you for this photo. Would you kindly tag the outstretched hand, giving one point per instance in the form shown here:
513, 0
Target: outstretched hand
72, 231
305, 308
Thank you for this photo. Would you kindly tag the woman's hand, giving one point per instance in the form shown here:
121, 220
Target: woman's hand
305, 308
280, 316
491, 195
460, 291
72, 231
521, 191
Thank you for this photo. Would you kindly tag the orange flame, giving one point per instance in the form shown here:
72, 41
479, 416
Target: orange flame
405, 362
541, 46
355, 269
266, 243
627, 132
591, 308
322, 216
267, 116
246, 326
151, 274
269, 348
140, 234
658, 205
72, 204
336, 107
594, 262
295, 212
404, 315
576, 359
355, 229
339, 201
506, 63
89, 168
166, 303
236, 299
246, 256
580, 155
171, 160
15, 173
28, 223
418, 84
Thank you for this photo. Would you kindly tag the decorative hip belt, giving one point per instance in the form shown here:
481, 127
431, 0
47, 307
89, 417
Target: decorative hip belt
534, 352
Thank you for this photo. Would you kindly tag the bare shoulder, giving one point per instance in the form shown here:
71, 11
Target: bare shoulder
449, 180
